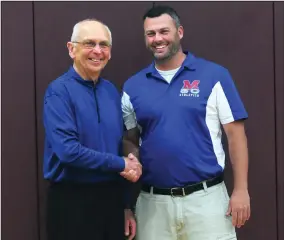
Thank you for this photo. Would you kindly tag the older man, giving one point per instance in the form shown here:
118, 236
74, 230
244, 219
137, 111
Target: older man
179, 106
84, 127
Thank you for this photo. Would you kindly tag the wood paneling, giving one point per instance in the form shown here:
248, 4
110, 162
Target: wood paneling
19, 165
239, 36
52, 59
245, 37
279, 99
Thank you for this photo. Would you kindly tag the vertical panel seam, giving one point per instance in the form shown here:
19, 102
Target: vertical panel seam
36, 125
278, 16
275, 115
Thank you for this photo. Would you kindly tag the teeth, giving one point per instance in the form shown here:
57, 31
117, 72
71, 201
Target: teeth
95, 60
159, 47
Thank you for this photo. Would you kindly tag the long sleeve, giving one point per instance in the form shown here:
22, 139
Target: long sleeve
61, 132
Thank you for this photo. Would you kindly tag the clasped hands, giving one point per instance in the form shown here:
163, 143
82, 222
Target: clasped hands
133, 168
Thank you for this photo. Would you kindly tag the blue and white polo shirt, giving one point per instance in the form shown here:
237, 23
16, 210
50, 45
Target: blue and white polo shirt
180, 120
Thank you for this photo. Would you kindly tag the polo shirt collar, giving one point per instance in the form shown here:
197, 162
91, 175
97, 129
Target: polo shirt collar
188, 63
72, 72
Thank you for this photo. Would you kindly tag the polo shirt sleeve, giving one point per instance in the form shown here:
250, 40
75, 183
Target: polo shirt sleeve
129, 115
61, 132
229, 104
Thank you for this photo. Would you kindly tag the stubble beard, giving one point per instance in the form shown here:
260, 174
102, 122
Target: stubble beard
173, 48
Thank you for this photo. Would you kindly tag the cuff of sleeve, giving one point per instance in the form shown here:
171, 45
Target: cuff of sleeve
117, 164
232, 119
130, 125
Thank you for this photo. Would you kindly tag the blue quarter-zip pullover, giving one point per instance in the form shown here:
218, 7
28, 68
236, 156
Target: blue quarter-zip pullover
84, 128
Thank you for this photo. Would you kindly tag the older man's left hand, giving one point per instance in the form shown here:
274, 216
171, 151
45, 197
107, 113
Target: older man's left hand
130, 224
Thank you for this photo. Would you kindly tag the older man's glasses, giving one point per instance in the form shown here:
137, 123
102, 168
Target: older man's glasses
104, 45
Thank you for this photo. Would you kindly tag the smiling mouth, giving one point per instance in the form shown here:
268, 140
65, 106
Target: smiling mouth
160, 47
95, 60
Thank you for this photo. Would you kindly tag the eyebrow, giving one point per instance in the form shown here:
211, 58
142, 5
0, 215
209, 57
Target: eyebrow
165, 28
158, 30
99, 41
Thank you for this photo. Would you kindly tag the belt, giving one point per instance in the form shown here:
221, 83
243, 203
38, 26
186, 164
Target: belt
183, 191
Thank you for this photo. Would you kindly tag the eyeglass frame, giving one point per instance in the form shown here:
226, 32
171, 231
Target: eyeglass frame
103, 48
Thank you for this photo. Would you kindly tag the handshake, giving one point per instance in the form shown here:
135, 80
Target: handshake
133, 168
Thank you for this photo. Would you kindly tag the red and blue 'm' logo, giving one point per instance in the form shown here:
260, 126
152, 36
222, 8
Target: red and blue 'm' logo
190, 87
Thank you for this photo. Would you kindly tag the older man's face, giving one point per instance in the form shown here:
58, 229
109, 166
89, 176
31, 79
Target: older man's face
93, 50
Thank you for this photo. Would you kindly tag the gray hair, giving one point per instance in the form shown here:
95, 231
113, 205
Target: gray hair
76, 29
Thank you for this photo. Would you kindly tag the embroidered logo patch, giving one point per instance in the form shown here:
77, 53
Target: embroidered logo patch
190, 89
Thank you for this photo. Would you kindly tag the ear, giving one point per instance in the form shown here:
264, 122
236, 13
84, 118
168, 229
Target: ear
71, 49
109, 57
180, 32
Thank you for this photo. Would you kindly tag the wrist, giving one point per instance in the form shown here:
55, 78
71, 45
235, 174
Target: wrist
125, 163
135, 153
240, 185
129, 208
240, 189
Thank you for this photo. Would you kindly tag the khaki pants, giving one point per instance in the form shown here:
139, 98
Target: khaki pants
197, 216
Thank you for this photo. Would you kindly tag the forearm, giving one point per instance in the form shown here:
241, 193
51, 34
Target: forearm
132, 190
73, 153
130, 147
239, 159
87, 158
62, 135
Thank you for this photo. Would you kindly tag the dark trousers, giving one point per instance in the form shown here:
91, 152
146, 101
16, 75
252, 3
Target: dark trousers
85, 211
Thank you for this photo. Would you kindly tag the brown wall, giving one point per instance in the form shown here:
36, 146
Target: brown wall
279, 110
239, 35
245, 37
19, 146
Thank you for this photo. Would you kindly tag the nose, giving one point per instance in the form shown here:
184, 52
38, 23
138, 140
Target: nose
97, 49
158, 37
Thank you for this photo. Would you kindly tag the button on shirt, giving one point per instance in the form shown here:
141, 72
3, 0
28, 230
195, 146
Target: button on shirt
180, 120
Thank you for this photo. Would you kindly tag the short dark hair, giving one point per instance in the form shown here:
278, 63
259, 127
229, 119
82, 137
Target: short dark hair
157, 11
